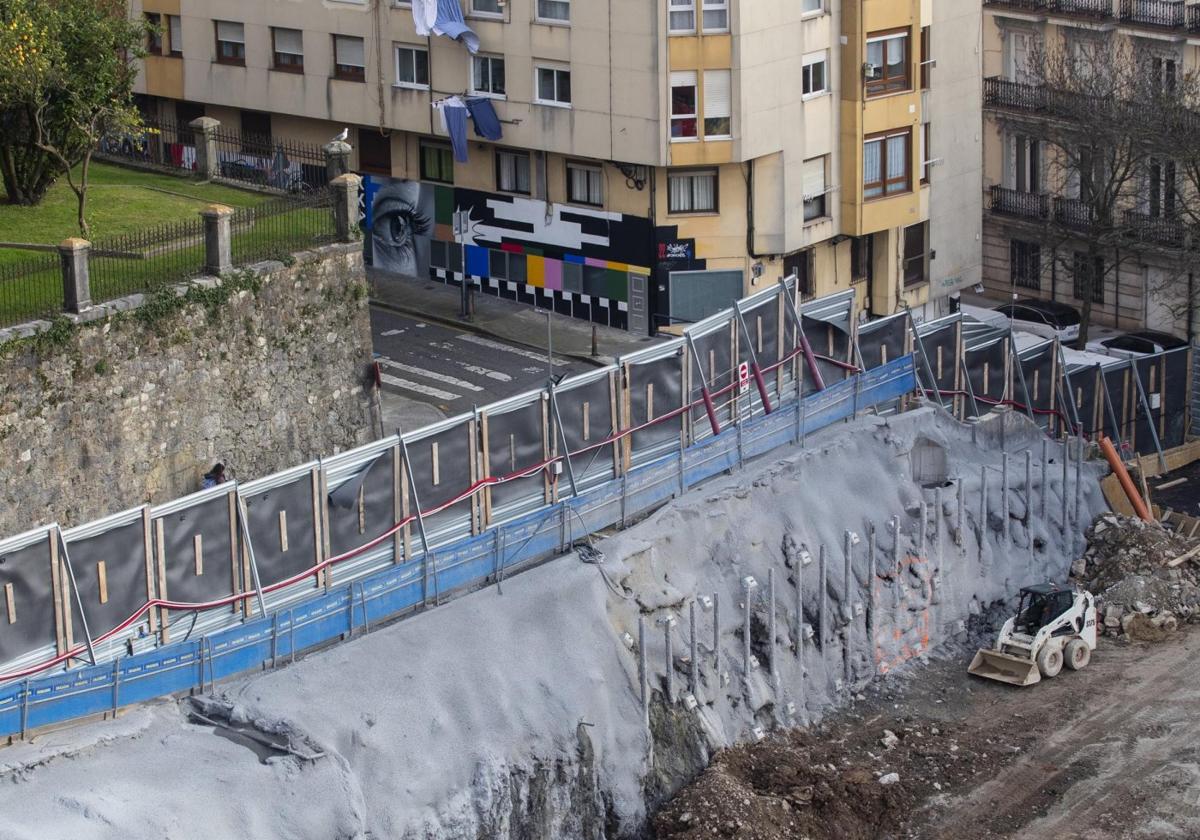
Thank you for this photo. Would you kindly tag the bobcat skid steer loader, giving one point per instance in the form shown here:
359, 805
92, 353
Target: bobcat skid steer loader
1052, 627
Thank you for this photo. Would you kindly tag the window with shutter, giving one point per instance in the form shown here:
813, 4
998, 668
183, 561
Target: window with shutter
717, 107
175, 33
231, 43
813, 184
814, 76
288, 47
349, 58
683, 105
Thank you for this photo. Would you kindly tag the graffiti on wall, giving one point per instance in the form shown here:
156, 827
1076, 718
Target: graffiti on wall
574, 260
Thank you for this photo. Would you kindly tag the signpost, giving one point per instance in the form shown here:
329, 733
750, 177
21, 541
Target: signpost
743, 377
462, 222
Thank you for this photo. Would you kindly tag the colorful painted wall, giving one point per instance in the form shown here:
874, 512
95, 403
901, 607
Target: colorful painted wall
575, 260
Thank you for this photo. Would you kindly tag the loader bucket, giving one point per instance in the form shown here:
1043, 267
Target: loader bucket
1005, 668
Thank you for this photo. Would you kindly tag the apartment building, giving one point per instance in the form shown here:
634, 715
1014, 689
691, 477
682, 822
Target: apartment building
650, 160
1030, 185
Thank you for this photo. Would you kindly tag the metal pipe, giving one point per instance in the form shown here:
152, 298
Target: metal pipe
870, 597
426, 558
746, 591
1045, 478
922, 527
694, 654
848, 604
1066, 451
1020, 373
670, 657
643, 680
1005, 529
562, 434
243, 521
771, 625
959, 516
1078, 476
1028, 488
916, 334
983, 507
705, 394
75, 592
716, 640
823, 596
755, 370
806, 348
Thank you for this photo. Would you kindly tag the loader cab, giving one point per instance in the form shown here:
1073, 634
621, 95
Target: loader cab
1040, 605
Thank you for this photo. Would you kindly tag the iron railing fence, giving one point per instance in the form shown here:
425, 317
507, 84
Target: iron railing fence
31, 288
284, 164
147, 259
1156, 230
1025, 205
280, 227
165, 144
1167, 14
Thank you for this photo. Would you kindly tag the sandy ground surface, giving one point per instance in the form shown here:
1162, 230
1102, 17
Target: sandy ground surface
1109, 752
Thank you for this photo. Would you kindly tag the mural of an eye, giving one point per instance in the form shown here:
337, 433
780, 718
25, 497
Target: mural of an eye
401, 225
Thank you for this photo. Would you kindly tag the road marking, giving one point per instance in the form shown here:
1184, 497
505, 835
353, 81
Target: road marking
387, 333
482, 371
496, 345
417, 387
429, 374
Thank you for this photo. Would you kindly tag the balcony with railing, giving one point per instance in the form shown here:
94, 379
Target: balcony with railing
1155, 230
1018, 96
1164, 14
1156, 14
1020, 204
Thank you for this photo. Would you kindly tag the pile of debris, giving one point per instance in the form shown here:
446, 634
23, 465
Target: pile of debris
1146, 579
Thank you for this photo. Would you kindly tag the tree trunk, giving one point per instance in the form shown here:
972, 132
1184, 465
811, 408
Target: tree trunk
81, 195
1088, 288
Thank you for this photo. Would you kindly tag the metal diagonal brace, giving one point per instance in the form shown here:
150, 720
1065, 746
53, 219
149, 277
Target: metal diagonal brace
427, 557
62, 544
1012, 344
244, 526
1066, 377
1108, 407
562, 434
1137, 377
805, 347
754, 368
916, 334
705, 394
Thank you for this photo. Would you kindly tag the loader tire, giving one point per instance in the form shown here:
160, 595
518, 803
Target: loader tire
1050, 661
1077, 654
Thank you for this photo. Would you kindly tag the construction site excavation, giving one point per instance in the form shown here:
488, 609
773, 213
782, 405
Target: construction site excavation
872, 581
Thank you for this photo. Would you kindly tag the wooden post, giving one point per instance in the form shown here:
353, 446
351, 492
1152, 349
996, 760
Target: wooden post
487, 469
160, 553
60, 636
235, 579
473, 454
616, 421
549, 488
322, 548
397, 506
148, 548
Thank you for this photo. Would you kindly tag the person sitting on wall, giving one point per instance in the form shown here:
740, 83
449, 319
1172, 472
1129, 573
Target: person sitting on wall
214, 476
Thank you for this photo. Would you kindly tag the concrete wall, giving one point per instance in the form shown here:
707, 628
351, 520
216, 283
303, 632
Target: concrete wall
131, 410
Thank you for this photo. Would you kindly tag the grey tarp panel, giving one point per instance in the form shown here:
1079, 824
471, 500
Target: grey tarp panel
515, 443
941, 346
376, 481
1149, 369
890, 332
598, 398
715, 350
1037, 363
828, 340
1119, 391
666, 375
1177, 367
209, 520
122, 549
453, 473
763, 321
1085, 392
985, 366
28, 570
262, 518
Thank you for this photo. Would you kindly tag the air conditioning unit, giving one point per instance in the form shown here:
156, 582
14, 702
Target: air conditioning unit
871, 71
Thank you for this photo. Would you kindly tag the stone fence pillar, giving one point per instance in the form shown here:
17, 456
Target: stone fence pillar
337, 159
77, 289
207, 163
217, 235
345, 204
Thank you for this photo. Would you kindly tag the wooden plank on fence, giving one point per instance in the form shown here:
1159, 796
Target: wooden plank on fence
487, 469
160, 554
235, 579
323, 548
60, 636
476, 498
148, 548
11, 603
616, 422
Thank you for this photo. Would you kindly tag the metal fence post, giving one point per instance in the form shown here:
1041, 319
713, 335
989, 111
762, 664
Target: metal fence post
73, 255
1005, 530
670, 656
1078, 478
24, 708
116, 692
983, 508
959, 516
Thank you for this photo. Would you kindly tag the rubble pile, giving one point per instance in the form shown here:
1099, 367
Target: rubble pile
1138, 594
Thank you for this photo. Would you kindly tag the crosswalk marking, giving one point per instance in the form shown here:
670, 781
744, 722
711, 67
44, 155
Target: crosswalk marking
418, 388
496, 345
445, 379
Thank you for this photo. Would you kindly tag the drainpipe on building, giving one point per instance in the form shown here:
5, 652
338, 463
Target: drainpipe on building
749, 175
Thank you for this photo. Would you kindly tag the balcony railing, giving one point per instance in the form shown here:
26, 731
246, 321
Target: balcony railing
1084, 8
1002, 93
1156, 230
1193, 18
1072, 213
1161, 13
1023, 205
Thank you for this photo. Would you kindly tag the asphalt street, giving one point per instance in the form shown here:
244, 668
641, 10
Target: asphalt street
430, 371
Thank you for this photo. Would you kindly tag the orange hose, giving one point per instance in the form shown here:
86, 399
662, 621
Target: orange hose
1114, 461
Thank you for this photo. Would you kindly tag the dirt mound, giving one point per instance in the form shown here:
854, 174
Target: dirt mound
1127, 567
848, 780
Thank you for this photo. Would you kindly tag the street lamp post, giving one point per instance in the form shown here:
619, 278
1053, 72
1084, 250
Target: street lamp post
549, 342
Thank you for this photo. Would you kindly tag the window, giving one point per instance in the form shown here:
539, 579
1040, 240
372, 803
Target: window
814, 79
1025, 264
1083, 272
683, 105
1024, 165
681, 16
154, 38
512, 172
553, 86
924, 58
1161, 177
693, 191
231, 43
715, 15
800, 265
348, 58
885, 164
584, 184
887, 63
862, 258
554, 10
255, 133
916, 265
486, 7
926, 157
813, 184
487, 75
1162, 73
287, 46
175, 34
437, 162
717, 105
812, 6
412, 67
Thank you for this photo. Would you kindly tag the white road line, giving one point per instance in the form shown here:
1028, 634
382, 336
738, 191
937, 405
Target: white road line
482, 371
429, 374
417, 388
386, 333
496, 345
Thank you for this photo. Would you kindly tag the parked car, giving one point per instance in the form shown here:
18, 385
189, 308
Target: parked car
1130, 345
1043, 317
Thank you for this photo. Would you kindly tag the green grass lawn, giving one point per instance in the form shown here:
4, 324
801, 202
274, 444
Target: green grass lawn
119, 200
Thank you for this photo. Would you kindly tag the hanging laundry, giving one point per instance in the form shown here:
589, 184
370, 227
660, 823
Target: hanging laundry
444, 17
487, 124
453, 112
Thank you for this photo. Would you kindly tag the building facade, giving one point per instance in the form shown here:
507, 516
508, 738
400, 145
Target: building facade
1030, 185
649, 161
